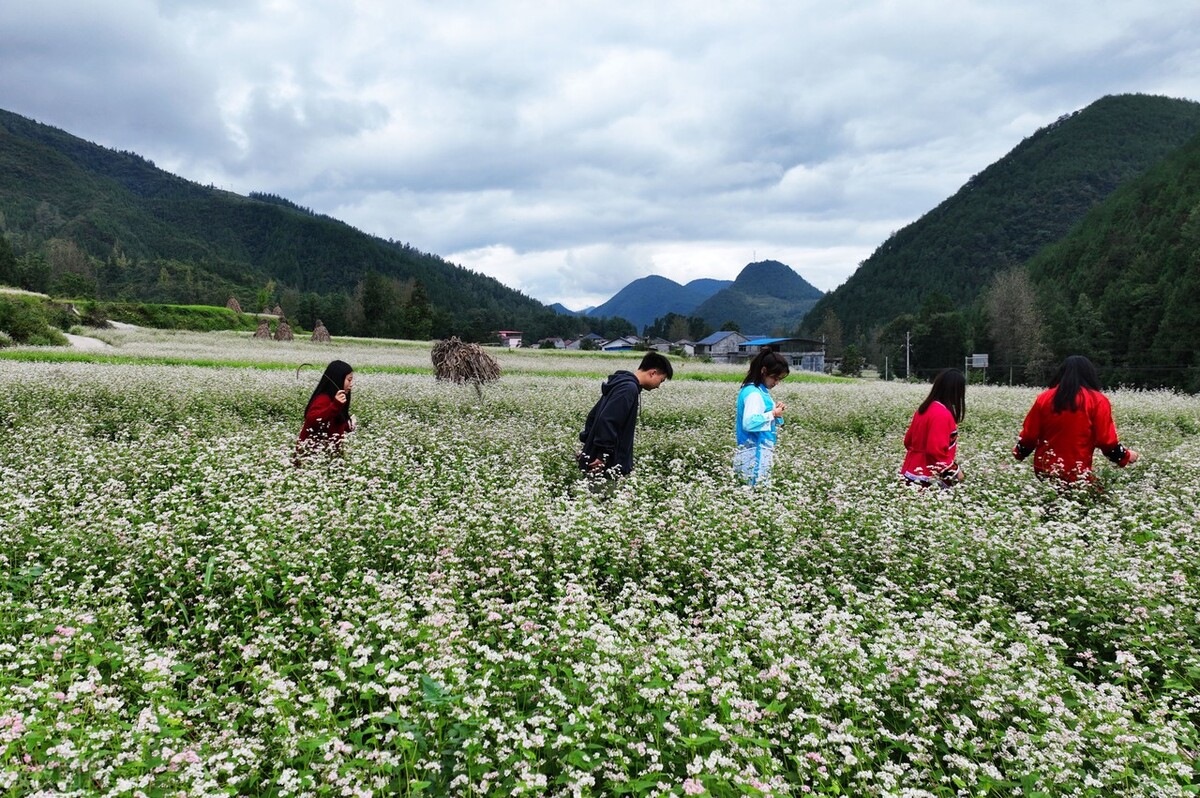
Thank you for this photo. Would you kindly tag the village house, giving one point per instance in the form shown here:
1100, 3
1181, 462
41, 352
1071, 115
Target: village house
578, 342
803, 354
685, 347
622, 344
721, 346
658, 344
510, 339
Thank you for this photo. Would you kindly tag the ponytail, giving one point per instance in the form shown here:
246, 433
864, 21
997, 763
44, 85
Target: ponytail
767, 363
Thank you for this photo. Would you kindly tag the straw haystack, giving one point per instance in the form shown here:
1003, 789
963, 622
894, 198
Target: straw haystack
263, 331
283, 330
233, 305
461, 362
321, 334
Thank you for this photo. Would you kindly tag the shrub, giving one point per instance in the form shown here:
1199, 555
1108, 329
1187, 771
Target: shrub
201, 318
31, 320
21, 317
47, 336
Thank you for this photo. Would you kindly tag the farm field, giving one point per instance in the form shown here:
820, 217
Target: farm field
175, 347
450, 610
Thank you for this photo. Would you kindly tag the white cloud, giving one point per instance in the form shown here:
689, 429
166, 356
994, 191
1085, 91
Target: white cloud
569, 148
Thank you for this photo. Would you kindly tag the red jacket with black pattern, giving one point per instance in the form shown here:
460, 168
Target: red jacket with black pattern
1062, 443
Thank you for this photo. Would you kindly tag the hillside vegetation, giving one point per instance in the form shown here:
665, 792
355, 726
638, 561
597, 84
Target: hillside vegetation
1124, 286
83, 220
1008, 212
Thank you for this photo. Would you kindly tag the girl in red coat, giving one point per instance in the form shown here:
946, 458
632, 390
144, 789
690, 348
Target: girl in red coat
327, 418
1067, 422
932, 437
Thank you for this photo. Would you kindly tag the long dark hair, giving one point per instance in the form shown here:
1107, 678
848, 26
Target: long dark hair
1076, 372
767, 363
330, 383
950, 388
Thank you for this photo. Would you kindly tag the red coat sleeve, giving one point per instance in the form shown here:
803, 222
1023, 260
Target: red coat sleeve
1031, 430
321, 418
1104, 430
323, 408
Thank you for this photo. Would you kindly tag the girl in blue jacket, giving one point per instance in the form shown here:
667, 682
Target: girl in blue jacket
759, 417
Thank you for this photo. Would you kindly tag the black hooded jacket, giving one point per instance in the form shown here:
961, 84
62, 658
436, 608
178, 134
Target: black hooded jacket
608, 432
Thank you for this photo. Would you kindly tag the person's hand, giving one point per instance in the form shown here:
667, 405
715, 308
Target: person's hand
596, 466
953, 475
778, 411
1133, 456
342, 397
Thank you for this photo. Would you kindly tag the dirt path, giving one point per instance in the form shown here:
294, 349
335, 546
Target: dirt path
84, 342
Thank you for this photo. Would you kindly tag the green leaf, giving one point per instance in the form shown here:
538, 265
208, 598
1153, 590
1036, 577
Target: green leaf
695, 742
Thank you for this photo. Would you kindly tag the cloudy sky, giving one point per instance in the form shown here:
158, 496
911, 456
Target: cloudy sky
567, 148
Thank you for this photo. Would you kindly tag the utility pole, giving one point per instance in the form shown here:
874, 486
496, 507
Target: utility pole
907, 346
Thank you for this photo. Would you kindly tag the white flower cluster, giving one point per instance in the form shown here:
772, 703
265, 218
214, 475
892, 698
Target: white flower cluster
448, 608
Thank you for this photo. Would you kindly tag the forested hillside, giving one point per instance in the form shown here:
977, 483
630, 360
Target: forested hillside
84, 220
1124, 286
1009, 211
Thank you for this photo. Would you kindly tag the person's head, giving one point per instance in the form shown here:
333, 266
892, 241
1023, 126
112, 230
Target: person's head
1075, 372
950, 389
653, 369
767, 368
338, 376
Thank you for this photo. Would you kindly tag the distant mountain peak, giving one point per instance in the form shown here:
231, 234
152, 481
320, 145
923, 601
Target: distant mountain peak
767, 295
779, 279
651, 297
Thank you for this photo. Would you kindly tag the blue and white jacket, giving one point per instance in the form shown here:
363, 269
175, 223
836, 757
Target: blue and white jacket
755, 424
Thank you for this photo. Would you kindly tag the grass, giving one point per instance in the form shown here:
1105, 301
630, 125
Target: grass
382, 356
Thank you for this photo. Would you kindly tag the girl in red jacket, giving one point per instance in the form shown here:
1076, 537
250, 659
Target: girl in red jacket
932, 437
327, 418
1067, 422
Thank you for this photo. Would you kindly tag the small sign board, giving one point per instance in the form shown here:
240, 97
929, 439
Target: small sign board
979, 361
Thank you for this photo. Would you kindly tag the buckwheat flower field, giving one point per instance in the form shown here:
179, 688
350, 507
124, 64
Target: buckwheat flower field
449, 610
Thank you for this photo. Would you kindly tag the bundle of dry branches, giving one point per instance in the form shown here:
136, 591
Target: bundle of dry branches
462, 362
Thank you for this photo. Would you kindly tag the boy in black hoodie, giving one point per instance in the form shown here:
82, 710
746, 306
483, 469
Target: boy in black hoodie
607, 435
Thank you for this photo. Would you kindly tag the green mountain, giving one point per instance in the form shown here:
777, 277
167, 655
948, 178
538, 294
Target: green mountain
1008, 212
766, 297
1124, 286
652, 297
86, 220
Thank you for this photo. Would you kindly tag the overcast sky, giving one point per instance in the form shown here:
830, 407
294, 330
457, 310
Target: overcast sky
567, 148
